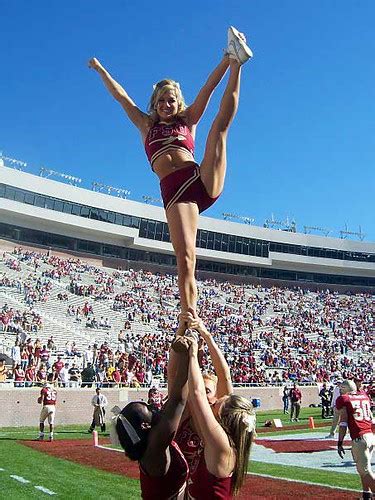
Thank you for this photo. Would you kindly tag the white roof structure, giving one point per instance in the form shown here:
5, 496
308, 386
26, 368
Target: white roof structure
281, 250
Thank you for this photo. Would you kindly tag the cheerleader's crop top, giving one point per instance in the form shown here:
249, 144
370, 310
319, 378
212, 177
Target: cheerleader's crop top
163, 137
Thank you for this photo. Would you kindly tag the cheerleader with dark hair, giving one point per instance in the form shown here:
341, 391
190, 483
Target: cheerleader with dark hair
147, 436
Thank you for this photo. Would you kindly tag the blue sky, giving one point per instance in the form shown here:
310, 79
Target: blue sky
302, 144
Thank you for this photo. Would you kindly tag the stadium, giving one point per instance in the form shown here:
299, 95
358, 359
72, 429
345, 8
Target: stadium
86, 272
39, 211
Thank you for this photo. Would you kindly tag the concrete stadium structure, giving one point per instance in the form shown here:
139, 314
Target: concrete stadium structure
20, 406
41, 212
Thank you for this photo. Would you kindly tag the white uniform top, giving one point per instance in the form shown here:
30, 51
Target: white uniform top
102, 400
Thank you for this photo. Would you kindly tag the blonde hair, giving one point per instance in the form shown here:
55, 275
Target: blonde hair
237, 417
159, 89
210, 376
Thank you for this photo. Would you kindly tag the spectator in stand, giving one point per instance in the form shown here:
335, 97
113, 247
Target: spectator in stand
295, 403
325, 397
30, 350
74, 376
15, 353
68, 348
30, 375
37, 351
58, 365
55, 377
116, 378
64, 375
88, 356
74, 350
359, 385
51, 344
155, 399
140, 374
24, 357
121, 336
88, 376
99, 402
148, 377
3, 371
19, 376
45, 356
110, 368
41, 375
101, 377
371, 393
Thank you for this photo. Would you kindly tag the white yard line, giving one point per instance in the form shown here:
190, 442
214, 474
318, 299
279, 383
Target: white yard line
20, 479
278, 478
45, 490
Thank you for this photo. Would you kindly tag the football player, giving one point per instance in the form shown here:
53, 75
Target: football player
355, 414
47, 399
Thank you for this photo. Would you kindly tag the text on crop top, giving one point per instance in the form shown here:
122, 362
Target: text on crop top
163, 137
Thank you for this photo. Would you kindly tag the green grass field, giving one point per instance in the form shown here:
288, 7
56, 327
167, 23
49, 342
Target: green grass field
74, 481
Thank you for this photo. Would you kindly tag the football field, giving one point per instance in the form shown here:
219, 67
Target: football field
290, 462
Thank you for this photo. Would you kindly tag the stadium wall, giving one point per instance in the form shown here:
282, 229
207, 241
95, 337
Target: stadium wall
20, 407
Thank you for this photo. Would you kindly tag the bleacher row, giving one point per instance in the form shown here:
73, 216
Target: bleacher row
269, 335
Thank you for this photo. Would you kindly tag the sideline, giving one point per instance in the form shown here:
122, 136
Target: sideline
108, 448
268, 476
310, 483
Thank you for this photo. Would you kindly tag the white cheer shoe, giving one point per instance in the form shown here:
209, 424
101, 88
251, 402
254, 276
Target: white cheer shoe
237, 48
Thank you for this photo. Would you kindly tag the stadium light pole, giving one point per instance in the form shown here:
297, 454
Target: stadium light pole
308, 229
345, 232
243, 218
150, 199
13, 163
48, 172
286, 225
100, 187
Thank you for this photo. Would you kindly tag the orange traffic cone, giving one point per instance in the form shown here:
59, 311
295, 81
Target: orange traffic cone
311, 423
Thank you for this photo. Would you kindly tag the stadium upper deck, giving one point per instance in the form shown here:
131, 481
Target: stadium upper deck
42, 211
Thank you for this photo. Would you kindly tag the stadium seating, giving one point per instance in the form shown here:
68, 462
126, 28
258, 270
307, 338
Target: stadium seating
269, 336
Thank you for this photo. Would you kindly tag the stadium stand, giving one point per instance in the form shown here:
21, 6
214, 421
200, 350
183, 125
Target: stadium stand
122, 323
94, 283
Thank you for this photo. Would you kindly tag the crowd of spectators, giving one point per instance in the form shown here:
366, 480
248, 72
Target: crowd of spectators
268, 335
19, 322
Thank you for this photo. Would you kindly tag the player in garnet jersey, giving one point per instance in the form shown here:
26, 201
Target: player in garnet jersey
355, 413
148, 437
168, 132
47, 399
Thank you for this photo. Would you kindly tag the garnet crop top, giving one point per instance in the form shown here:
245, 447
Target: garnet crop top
163, 137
